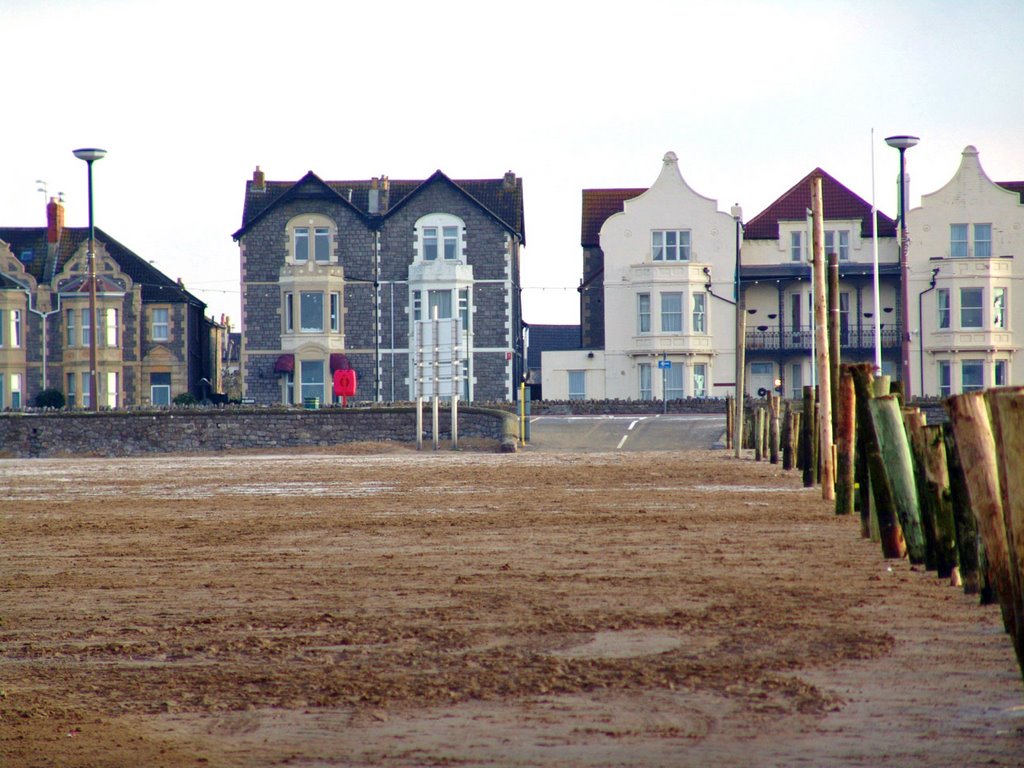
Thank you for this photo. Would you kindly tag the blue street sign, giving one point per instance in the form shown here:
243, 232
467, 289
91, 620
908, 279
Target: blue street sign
664, 363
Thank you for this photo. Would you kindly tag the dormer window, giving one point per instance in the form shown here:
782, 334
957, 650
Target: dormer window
311, 238
440, 237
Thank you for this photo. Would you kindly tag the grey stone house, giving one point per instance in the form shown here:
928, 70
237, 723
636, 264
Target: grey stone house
334, 275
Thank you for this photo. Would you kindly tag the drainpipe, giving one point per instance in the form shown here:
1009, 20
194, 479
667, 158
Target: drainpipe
920, 327
376, 316
43, 316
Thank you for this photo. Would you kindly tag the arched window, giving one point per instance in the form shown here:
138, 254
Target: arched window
312, 238
440, 237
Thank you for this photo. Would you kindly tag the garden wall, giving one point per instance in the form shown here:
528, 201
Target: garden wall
119, 433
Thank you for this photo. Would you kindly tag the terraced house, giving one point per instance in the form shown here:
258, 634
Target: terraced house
152, 340
335, 274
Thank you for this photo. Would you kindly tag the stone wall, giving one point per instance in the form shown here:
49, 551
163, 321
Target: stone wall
24, 435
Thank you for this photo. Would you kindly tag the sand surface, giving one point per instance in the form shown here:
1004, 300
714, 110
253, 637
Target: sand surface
374, 606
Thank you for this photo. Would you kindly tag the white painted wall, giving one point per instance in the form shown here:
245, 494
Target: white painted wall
970, 197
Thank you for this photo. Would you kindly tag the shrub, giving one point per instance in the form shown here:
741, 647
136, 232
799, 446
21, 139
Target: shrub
50, 398
185, 398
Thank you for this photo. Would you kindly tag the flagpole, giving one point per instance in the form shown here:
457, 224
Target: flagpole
874, 250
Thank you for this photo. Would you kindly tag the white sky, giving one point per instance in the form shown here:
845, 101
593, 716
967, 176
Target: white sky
188, 97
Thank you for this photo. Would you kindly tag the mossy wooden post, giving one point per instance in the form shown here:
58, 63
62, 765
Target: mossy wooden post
976, 444
765, 428
786, 436
729, 423
892, 438
845, 442
794, 439
808, 458
889, 531
1007, 408
774, 405
936, 475
758, 435
967, 542
914, 423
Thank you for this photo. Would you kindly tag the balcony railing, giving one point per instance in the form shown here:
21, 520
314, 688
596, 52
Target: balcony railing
799, 339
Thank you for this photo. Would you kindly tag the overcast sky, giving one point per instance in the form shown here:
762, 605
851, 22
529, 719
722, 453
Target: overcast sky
188, 97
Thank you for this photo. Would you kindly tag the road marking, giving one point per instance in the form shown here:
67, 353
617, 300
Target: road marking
622, 442
633, 424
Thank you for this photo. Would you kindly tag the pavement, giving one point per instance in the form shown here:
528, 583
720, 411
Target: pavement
648, 432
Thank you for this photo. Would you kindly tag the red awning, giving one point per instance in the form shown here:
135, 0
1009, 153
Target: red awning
285, 364
339, 362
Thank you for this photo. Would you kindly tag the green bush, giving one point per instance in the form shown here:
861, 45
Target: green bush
50, 398
185, 398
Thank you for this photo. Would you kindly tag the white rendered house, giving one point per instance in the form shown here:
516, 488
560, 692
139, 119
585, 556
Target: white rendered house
967, 283
668, 290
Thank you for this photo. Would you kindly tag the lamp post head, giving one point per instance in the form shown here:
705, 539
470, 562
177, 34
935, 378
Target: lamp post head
737, 212
89, 154
902, 142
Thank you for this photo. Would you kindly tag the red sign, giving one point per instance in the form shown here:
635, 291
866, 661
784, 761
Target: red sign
345, 384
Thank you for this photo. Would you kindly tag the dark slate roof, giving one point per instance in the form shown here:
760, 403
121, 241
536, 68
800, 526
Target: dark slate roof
1013, 186
838, 202
598, 205
156, 286
550, 338
491, 195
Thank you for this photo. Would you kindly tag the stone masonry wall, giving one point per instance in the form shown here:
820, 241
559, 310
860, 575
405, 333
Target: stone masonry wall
25, 435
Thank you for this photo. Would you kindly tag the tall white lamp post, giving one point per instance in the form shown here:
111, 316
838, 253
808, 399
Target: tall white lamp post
903, 143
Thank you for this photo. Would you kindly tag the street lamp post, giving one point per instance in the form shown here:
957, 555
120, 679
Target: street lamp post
91, 155
741, 335
903, 143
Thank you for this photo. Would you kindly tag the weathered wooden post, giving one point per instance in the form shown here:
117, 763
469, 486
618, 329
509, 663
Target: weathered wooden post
730, 404
892, 438
773, 428
889, 531
1007, 409
845, 442
967, 542
808, 459
936, 474
976, 444
914, 423
821, 350
833, 334
758, 434
786, 437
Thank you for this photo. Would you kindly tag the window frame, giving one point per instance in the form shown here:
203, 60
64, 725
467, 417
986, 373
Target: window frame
164, 386
699, 318
674, 382
976, 310
309, 310
976, 365
154, 324
440, 237
944, 375
643, 318
699, 377
982, 244
671, 314
334, 312
1000, 304
796, 246
679, 250
576, 384
944, 309
312, 366
645, 381
959, 244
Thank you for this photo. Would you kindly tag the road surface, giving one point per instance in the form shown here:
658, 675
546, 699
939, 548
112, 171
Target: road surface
651, 432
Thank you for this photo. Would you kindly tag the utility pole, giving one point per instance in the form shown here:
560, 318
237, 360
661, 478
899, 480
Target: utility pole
828, 490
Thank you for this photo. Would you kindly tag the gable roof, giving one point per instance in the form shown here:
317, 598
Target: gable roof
838, 202
156, 286
492, 196
550, 338
598, 205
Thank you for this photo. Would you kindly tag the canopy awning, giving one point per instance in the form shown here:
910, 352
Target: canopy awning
285, 364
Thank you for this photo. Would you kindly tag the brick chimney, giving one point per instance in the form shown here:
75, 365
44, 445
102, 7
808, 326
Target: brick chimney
385, 193
373, 196
259, 180
54, 220
509, 183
